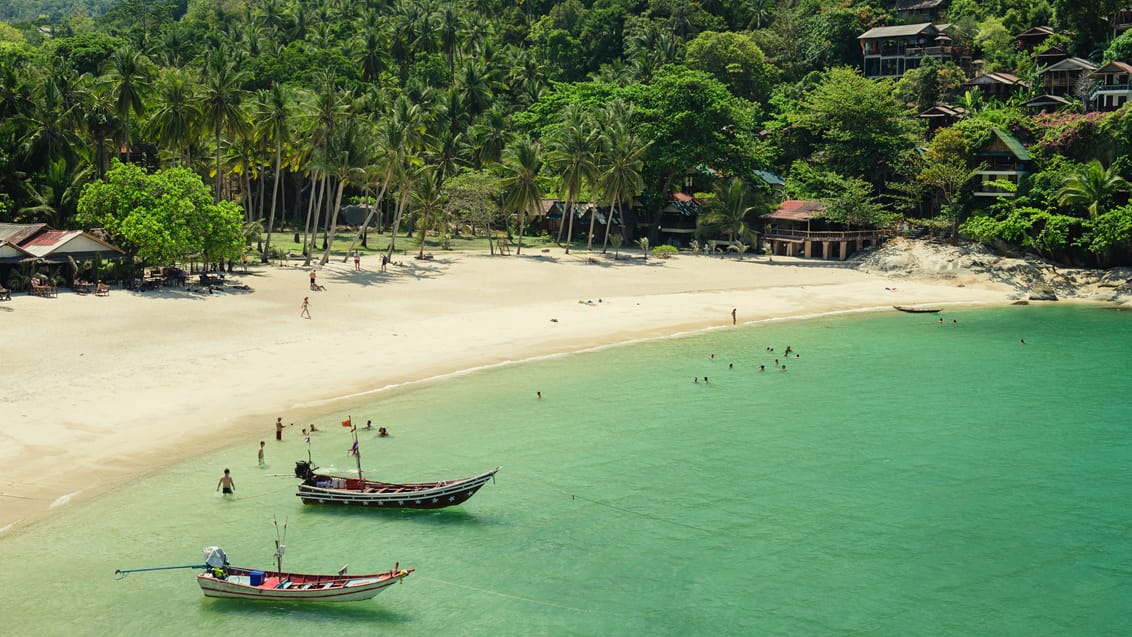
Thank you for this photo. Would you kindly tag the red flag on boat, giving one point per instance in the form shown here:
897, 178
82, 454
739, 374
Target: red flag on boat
347, 423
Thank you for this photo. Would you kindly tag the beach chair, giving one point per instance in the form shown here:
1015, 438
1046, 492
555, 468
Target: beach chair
5, 294
102, 289
43, 289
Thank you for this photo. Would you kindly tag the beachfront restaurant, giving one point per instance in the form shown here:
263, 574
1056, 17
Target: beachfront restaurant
798, 229
36, 248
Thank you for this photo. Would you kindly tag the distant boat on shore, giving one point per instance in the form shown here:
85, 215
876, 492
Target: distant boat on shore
917, 310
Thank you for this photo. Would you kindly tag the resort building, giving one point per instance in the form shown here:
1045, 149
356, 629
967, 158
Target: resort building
1113, 88
1031, 39
890, 51
798, 228
1064, 78
1004, 158
999, 86
36, 246
942, 115
1045, 104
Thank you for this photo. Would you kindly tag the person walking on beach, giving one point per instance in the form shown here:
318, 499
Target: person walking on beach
733, 319
261, 444
226, 483
357, 261
305, 309
279, 428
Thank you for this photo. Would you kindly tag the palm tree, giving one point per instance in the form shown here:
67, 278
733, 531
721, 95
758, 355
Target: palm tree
408, 118
522, 186
428, 206
572, 155
273, 119
348, 155
129, 71
222, 99
176, 116
623, 160
1091, 186
732, 206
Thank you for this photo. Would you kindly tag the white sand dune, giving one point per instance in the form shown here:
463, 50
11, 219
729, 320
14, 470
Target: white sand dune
97, 390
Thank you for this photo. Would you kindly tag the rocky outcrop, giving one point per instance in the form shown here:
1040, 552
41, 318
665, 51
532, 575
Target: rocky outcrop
1031, 277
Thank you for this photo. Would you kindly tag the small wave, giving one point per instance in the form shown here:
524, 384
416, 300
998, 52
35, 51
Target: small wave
63, 499
4, 529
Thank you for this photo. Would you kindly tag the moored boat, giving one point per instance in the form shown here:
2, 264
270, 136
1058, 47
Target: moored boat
917, 310
317, 488
220, 579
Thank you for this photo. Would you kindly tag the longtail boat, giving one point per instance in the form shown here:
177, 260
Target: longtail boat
220, 579
318, 488
916, 310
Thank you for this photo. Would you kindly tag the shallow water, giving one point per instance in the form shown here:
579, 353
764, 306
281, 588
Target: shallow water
902, 477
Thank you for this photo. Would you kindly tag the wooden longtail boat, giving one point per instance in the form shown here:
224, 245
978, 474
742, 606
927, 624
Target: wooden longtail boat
276, 586
319, 488
917, 310
220, 579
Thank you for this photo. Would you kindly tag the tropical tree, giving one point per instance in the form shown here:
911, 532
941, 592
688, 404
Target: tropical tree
163, 217
129, 73
1091, 187
428, 207
176, 117
222, 102
622, 160
947, 169
273, 122
522, 185
732, 208
572, 155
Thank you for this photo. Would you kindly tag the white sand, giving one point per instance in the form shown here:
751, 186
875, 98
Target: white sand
97, 390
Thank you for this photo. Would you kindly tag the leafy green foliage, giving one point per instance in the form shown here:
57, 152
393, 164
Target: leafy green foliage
164, 217
735, 60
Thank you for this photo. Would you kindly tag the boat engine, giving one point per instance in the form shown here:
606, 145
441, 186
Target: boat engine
304, 470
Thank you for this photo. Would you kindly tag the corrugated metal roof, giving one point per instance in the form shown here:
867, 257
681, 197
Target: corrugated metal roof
900, 31
797, 210
1114, 68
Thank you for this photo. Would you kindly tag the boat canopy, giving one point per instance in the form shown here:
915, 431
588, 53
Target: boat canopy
214, 557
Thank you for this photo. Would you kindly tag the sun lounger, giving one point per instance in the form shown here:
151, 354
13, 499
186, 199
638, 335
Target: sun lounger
5, 294
102, 289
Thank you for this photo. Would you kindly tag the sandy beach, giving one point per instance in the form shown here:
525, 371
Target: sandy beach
100, 390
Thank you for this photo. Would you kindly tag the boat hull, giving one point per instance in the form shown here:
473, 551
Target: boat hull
916, 310
322, 489
298, 587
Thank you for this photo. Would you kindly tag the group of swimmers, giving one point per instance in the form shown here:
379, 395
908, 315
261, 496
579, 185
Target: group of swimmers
762, 368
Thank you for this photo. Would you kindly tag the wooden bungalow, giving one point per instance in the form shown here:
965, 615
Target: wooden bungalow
920, 10
1052, 55
1113, 86
1045, 104
1062, 78
676, 222
1120, 21
797, 228
942, 115
1031, 39
1004, 158
1000, 86
890, 51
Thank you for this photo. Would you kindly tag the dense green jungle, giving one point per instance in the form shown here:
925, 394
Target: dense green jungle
202, 127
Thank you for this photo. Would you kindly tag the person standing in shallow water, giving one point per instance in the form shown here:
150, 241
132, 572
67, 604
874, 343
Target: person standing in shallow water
733, 319
261, 444
226, 483
279, 428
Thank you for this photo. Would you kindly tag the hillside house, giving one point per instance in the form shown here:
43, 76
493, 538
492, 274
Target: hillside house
999, 86
1063, 78
1004, 158
1113, 88
890, 51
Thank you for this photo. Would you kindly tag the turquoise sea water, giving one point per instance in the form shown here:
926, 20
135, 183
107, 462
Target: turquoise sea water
902, 477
